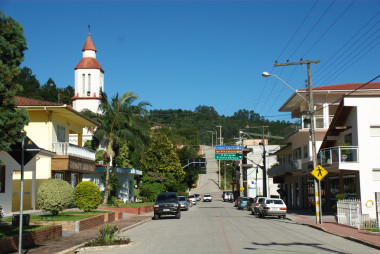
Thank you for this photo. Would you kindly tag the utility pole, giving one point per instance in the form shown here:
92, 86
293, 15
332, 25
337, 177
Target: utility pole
220, 143
265, 187
317, 185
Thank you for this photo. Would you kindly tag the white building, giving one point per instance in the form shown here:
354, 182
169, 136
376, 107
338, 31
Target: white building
255, 172
348, 146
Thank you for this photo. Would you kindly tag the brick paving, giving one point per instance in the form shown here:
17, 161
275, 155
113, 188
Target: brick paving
66, 243
330, 225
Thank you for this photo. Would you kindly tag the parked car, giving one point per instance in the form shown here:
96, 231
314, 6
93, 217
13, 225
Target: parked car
250, 203
167, 204
207, 197
237, 201
258, 200
272, 207
193, 199
198, 197
242, 204
227, 196
183, 202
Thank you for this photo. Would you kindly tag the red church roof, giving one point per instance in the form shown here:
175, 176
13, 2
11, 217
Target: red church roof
89, 63
348, 86
89, 45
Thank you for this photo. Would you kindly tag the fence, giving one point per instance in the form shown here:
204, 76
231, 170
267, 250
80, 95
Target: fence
349, 212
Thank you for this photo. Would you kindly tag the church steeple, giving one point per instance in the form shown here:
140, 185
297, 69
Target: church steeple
89, 79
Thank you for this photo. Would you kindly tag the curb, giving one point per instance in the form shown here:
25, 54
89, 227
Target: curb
74, 249
350, 238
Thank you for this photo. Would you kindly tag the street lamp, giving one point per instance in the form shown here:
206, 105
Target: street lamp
212, 138
317, 185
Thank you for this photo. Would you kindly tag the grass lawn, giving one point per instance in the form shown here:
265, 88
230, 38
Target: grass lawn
371, 229
8, 230
65, 216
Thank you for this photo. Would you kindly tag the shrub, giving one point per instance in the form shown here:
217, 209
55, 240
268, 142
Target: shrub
87, 196
115, 201
55, 195
149, 191
107, 234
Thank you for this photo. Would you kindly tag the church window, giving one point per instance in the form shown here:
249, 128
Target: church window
83, 84
89, 83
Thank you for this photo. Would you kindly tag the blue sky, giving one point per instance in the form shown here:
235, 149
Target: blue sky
181, 54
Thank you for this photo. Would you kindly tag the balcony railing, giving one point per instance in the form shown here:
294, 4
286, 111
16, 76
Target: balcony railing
338, 154
320, 123
65, 148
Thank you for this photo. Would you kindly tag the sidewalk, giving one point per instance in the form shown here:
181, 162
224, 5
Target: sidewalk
72, 242
330, 225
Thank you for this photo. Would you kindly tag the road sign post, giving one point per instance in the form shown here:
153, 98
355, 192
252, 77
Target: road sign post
228, 153
319, 172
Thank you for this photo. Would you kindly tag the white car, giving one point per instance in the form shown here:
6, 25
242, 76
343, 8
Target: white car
207, 197
193, 199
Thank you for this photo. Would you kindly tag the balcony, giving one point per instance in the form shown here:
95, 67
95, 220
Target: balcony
338, 155
319, 122
65, 148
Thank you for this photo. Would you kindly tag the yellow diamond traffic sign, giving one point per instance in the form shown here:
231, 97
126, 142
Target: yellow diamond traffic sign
241, 188
319, 172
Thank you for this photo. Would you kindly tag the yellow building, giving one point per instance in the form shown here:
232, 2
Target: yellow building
49, 128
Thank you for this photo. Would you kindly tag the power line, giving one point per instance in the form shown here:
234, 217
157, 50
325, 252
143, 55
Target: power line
312, 29
328, 29
327, 64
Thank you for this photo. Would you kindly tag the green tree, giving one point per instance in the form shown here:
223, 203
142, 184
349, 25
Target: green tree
12, 47
162, 158
65, 94
28, 81
117, 121
49, 91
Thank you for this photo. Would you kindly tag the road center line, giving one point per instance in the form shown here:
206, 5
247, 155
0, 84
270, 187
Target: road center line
226, 240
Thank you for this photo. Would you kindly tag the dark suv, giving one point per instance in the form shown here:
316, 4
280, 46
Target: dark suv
167, 204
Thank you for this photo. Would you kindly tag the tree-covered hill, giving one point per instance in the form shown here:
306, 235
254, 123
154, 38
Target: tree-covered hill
205, 119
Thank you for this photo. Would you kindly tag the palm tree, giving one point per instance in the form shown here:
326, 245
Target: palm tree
117, 120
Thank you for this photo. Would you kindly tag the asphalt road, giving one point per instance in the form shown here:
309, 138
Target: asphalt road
218, 227
208, 183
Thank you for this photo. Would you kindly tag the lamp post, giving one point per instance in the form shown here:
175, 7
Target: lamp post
212, 138
317, 185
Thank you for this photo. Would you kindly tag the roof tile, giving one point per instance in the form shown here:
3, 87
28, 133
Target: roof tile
23, 101
348, 86
89, 63
89, 45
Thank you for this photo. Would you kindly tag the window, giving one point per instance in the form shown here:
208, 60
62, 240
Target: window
297, 153
305, 151
375, 131
376, 174
74, 179
61, 133
89, 83
59, 175
2, 178
83, 84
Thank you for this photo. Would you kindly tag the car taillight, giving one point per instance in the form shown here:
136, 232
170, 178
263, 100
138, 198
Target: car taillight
266, 208
283, 209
